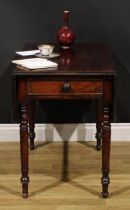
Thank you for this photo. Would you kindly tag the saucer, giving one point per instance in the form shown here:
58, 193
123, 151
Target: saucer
53, 55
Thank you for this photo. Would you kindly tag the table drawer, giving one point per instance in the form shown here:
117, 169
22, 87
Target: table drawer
57, 87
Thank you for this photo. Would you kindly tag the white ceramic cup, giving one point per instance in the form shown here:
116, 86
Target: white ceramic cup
46, 49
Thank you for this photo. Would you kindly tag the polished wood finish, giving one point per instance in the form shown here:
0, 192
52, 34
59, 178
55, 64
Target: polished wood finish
84, 72
99, 121
53, 88
32, 123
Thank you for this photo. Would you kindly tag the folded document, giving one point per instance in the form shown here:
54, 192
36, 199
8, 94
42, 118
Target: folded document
35, 63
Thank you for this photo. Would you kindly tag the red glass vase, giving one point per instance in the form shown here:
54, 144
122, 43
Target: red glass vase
65, 36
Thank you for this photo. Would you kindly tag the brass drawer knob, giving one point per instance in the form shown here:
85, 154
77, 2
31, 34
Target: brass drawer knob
66, 87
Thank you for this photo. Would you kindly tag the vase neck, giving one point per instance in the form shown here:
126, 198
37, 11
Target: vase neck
66, 17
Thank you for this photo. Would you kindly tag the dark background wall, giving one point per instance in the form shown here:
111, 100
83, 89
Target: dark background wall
24, 21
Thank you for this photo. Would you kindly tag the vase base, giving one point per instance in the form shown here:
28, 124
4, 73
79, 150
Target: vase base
65, 47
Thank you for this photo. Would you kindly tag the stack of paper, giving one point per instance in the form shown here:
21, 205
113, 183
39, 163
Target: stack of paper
35, 63
27, 53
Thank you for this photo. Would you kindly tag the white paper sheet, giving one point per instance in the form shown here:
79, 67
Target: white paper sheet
35, 63
27, 53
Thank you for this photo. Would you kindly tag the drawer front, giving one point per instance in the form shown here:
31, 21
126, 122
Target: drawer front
41, 87
64, 87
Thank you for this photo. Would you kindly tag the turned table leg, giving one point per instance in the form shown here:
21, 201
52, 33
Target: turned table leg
32, 123
106, 138
24, 149
98, 134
